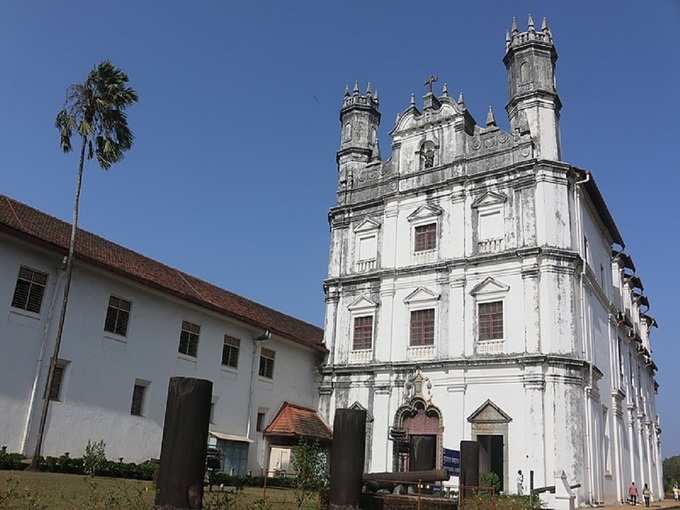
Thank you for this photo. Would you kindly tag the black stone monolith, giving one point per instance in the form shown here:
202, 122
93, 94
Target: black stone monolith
469, 467
185, 441
347, 458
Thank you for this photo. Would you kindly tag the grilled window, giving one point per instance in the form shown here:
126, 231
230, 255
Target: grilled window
422, 327
230, 351
117, 316
138, 394
267, 363
490, 316
363, 333
426, 237
57, 380
188, 339
30, 289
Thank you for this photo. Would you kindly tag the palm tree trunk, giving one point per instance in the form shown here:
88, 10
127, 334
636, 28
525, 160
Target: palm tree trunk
62, 318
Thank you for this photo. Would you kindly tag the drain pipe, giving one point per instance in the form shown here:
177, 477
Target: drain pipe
266, 335
589, 388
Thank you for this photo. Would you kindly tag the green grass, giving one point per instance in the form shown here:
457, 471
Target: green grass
21, 490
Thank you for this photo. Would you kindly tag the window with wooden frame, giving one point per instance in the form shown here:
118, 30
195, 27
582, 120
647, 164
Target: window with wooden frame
57, 382
30, 289
425, 237
188, 339
422, 327
362, 337
490, 318
230, 350
267, 363
138, 394
259, 424
117, 316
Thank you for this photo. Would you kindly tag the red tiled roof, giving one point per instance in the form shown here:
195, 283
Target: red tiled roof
33, 225
295, 420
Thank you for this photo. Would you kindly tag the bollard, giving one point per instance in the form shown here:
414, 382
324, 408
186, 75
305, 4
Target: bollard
185, 443
347, 458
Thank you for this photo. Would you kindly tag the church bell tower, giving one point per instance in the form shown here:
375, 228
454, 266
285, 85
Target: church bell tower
533, 104
359, 122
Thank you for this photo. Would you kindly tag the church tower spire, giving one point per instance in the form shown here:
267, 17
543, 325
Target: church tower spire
359, 122
533, 104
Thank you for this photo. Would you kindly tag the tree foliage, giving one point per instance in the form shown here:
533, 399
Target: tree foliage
94, 457
671, 472
95, 110
311, 466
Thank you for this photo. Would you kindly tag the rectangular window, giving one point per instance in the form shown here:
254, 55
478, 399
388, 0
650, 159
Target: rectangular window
367, 248
30, 289
138, 394
230, 351
422, 327
212, 412
490, 225
117, 316
188, 339
267, 363
363, 333
259, 426
57, 380
426, 237
490, 316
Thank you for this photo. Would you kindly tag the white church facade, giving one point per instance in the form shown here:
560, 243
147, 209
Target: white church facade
133, 323
478, 288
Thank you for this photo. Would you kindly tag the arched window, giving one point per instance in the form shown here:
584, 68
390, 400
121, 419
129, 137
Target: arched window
348, 131
524, 72
427, 155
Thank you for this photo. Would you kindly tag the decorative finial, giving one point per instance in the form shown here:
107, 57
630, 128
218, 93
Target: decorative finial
514, 28
532, 27
368, 89
445, 90
413, 99
460, 98
346, 89
430, 80
356, 87
375, 94
396, 121
490, 118
544, 25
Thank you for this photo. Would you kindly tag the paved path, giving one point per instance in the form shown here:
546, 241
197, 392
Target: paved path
666, 504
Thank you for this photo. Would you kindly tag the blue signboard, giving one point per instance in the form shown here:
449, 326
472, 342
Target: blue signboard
452, 461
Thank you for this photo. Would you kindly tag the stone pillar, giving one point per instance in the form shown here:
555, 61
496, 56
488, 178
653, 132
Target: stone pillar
381, 456
532, 328
534, 386
347, 459
185, 441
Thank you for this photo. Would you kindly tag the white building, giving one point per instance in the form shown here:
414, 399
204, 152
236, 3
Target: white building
478, 289
132, 324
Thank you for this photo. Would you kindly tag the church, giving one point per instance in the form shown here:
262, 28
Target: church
478, 288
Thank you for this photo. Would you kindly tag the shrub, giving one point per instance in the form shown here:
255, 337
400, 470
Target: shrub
311, 468
95, 457
491, 479
12, 461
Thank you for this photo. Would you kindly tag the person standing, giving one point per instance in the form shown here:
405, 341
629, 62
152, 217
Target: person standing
676, 492
520, 483
632, 493
646, 494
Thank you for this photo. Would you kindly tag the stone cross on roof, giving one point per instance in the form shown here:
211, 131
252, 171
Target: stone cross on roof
430, 80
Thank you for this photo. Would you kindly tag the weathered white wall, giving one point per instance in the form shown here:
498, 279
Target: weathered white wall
99, 379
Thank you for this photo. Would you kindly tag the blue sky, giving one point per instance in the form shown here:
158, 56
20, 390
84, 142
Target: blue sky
237, 125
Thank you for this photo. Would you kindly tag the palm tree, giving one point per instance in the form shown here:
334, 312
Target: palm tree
94, 111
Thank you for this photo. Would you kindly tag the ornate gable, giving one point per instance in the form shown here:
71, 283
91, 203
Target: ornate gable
421, 294
489, 198
489, 286
425, 211
363, 303
489, 412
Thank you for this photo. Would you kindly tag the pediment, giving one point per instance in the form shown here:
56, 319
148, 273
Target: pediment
421, 294
412, 117
367, 225
489, 286
489, 198
489, 412
425, 211
363, 303
358, 407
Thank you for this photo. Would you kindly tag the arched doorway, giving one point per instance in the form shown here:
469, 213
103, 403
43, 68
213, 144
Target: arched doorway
417, 431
